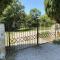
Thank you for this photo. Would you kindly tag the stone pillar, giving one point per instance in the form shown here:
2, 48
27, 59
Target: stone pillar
2, 42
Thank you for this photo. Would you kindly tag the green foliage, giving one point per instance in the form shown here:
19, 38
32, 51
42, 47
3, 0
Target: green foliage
35, 13
3, 4
46, 21
56, 41
28, 21
14, 16
52, 8
33, 17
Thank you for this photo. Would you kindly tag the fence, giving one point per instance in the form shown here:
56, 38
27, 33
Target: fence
22, 39
35, 36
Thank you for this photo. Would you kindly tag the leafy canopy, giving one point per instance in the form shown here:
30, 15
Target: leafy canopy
52, 8
46, 21
35, 13
13, 16
3, 4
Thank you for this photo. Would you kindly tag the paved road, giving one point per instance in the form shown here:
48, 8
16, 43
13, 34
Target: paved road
43, 52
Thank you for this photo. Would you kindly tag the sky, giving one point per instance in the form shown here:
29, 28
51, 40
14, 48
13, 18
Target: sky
30, 4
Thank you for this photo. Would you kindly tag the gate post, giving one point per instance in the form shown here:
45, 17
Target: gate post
2, 42
9, 34
37, 36
9, 38
37, 31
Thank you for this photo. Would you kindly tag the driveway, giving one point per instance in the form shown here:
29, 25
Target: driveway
48, 51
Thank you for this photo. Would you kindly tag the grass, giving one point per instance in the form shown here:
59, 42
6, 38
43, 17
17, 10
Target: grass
44, 28
24, 29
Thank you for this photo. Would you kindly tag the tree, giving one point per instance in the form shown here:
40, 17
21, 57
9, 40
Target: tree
46, 21
3, 4
52, 8
35, 13
32, 17
14, 15
28, 20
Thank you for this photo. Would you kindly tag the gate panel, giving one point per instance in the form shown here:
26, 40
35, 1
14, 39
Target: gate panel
46, 34
21, 39
36, 35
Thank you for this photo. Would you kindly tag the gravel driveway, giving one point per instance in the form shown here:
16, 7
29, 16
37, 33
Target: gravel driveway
46, 51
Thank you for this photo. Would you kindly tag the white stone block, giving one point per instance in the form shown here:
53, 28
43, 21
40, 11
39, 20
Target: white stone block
2, 41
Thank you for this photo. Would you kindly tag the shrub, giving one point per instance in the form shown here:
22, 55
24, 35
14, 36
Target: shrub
56, 41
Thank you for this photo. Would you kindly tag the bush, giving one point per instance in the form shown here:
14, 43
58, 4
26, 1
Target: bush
56, 41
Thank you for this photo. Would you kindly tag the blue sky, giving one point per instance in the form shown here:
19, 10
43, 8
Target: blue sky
30, 4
